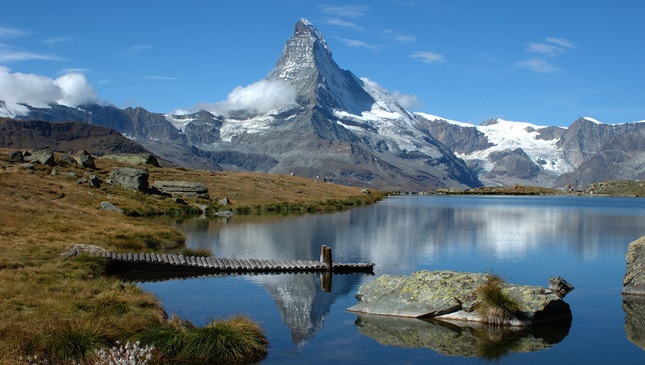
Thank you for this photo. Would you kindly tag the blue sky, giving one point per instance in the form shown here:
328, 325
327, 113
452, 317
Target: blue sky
545, 62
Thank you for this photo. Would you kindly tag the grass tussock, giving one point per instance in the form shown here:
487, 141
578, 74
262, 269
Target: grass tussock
494, 305
230, 341
197, 252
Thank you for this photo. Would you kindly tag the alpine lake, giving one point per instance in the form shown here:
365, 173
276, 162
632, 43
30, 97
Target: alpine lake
524, 239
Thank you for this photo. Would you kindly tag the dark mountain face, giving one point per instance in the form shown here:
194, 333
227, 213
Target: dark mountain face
584, 138
622, 157
64, 137
458, 138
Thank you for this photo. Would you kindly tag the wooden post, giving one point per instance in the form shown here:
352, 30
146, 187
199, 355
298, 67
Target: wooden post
325, 281
322, 253
326, 258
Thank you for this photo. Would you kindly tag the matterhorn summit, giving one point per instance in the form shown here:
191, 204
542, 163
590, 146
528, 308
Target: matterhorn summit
342, 128
307, 64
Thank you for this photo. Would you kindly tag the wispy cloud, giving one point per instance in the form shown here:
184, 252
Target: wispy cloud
355, 43
12, 54
398, 36
539, 65
428, 57
345, 11
138, 48
544, 52
52, 41
6, 32
343, 15
342, 23
74, 70
157, 77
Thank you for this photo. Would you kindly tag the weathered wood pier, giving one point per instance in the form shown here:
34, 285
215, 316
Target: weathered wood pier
162, 262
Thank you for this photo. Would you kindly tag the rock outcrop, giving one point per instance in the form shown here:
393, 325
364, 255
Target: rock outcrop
634, 280
452, 295
182, 188
130, 179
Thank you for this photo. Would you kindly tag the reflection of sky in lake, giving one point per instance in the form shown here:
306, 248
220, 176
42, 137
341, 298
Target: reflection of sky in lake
526, 239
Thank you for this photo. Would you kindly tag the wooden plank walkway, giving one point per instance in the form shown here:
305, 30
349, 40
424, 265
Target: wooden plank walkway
213, 264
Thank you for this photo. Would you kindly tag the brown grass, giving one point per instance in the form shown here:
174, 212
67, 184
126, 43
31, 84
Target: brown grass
43, 211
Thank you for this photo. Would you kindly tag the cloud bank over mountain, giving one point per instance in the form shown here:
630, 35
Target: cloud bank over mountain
70, 89
260, 97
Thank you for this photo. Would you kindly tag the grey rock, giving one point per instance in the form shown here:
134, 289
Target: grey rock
224, 201
182, 188
110, 207
83, 248
84, 159
365, 191
559, 286
16, 156
94, 180
44, 156
452, 295
135, 158
130, 179
634, 279
67, 160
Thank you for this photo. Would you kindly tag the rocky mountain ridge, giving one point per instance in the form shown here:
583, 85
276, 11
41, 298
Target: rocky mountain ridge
507, 153
329, 124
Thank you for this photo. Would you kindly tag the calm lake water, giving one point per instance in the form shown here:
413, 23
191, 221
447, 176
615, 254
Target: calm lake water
525, 239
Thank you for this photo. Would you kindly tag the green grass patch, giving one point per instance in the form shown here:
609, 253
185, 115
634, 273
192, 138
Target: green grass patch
230, 341
197, 252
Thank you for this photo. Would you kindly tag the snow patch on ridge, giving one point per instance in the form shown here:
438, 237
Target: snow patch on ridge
178, 121
11, 110
232, 128
431, 117
510, 135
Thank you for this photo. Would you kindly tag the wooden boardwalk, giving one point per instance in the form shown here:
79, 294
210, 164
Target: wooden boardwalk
155, 261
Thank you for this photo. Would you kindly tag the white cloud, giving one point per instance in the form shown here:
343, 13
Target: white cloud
52, 41
407, 101
76, 90
158, 77
355, 43
537, 65
339, 14
138, 48
342, 23
564, 43
398, 36
11, 32
345, 11
548, 48
10, 54
428, 57
70, 89
260, 97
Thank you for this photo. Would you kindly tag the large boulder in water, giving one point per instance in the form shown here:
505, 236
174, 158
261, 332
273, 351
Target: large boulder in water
452, 295
634, 280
